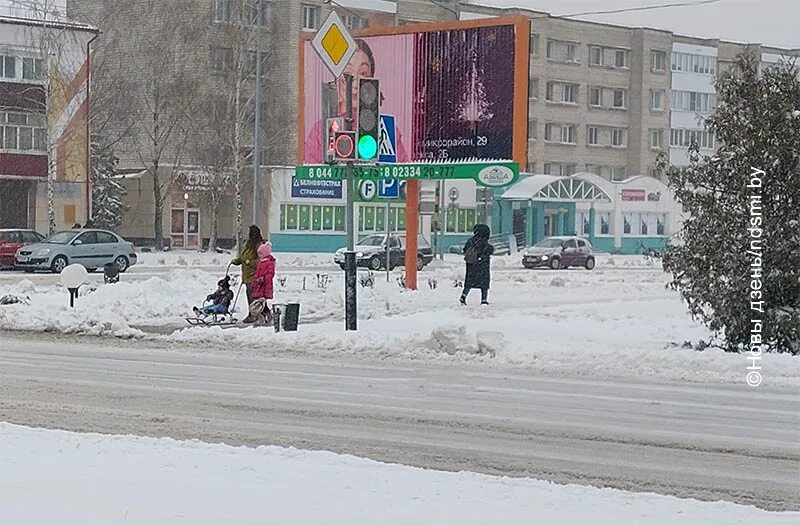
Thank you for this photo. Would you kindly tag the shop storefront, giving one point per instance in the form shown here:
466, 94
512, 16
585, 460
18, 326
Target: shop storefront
618, 217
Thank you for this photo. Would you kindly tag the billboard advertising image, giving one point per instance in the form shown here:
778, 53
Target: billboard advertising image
456, 90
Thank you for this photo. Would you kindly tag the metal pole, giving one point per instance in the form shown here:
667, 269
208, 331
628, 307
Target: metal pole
442, 218
388, 234
350, 301
257, 132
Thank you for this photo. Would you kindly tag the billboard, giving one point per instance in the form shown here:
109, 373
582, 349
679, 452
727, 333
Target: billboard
456, 89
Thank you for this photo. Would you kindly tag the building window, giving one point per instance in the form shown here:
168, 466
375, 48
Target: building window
222, 10
595, 96
357, 22
266, 13
618, 173
533, 89
643, 225
562, 51
693, 101
657, 99
592, 136
654, 172
32, 69
8, 67
661, 221
221, 60
618, 137
533, 129
559, 169
619, 98
572, 53
658, 60
534, 45
23, 131
605, 223
627, 221
559, 133
621, 58
684, 138
692, 63
567, 134
594, 169
656, 139
316, 218
310, 16
460, 220
569, 93
595, 56
373, 218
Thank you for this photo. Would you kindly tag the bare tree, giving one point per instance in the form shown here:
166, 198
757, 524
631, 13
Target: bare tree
232, 90
162, 89
59, 54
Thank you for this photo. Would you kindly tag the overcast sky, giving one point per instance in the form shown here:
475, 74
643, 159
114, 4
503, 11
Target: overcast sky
770, 22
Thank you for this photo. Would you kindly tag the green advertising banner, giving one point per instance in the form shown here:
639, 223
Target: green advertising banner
491, 173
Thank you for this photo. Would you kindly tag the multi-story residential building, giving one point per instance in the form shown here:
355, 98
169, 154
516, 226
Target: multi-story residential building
44, 71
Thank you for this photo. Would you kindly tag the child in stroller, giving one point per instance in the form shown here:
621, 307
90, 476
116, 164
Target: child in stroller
220, 299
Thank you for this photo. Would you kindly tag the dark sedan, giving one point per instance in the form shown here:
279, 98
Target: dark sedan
371, 252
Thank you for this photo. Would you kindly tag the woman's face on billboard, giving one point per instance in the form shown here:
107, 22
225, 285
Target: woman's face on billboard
359, 66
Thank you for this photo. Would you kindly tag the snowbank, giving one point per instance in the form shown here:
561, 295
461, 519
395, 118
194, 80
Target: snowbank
608, 322
56, 477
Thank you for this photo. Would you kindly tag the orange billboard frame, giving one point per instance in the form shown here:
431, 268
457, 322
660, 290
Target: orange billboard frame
521, 25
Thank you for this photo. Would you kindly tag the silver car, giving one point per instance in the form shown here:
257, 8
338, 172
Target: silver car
88, 247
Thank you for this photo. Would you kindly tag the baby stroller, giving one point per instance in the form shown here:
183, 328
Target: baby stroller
223, 313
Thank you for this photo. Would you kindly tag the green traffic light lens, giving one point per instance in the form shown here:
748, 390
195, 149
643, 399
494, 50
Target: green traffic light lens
367, 147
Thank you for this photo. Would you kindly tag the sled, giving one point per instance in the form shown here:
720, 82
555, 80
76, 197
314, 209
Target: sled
218, 320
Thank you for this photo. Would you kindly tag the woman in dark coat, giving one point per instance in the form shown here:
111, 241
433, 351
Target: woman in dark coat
477, 254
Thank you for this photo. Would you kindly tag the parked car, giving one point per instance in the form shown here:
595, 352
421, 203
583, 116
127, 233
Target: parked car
11, 240
371, 252
89, 247
560, 252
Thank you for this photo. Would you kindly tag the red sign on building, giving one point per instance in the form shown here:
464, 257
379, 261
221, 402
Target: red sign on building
631, 194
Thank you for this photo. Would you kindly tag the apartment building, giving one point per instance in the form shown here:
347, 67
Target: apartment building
44, 71
598, 98
695, 63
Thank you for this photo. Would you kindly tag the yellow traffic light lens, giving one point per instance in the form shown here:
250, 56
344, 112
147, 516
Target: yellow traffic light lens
367, 147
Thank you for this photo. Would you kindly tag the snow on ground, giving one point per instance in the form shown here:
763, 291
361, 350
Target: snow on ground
92, 479
618, 320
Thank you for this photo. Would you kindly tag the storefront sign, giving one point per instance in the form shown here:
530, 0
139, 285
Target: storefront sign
629, 194
490, 173
199, 181
316, 189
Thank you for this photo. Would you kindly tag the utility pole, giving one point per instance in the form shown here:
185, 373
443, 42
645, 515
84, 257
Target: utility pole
350, 303
257, 133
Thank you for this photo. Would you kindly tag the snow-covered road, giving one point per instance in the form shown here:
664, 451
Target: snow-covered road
711, 442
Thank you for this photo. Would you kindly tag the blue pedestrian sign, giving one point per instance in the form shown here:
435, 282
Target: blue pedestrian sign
387, 140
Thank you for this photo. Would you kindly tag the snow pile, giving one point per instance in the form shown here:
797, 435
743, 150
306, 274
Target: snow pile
606, 322
153, 482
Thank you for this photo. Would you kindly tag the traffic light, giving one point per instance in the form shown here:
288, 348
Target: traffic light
344, 146
369, 117
332, 126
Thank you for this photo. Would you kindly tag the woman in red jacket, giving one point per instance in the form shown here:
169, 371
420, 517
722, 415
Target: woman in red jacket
265, 273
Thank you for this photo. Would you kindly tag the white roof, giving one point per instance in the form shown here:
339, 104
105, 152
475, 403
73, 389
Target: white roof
543, 187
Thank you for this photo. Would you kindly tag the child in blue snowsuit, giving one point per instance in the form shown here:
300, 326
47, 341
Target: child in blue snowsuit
221, 299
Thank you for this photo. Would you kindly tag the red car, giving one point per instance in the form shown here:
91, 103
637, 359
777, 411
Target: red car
11, 239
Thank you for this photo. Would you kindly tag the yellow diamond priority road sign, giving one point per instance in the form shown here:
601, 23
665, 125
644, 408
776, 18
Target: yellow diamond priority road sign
334, 45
